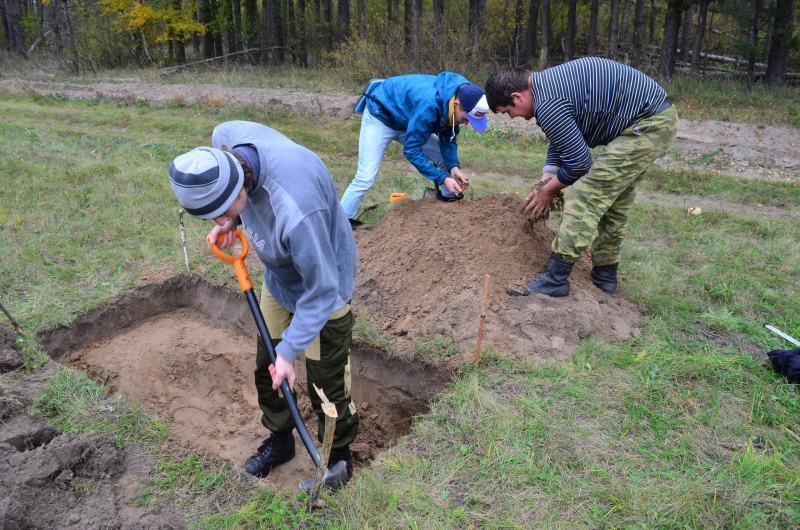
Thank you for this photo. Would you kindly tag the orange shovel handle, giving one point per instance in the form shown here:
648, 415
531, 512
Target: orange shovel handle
237, 261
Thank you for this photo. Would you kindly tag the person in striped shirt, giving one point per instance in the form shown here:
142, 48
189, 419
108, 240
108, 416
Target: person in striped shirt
580, 105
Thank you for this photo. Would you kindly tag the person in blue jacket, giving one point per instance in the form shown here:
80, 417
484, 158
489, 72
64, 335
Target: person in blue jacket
422, 112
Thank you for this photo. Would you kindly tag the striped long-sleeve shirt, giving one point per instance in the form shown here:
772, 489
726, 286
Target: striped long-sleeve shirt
589, 102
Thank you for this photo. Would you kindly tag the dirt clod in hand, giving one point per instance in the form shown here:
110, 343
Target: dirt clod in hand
557, 205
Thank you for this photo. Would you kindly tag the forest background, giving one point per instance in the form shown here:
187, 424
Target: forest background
752, 40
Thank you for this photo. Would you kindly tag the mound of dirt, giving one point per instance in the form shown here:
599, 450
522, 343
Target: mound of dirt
423, 270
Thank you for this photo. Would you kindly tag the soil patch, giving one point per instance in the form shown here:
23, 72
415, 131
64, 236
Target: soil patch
185, 351
51, 479
423, 270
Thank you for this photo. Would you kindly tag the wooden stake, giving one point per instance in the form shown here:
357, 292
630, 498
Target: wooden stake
183, 238
327, 441
483, 317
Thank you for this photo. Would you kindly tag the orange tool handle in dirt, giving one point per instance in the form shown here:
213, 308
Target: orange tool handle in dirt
247, 288
396, 197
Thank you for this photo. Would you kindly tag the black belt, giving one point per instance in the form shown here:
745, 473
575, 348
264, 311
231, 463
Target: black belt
664, 106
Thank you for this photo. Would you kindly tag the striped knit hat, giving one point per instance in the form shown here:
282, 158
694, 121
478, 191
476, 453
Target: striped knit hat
206, 181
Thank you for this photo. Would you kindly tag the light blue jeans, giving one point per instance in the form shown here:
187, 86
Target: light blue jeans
373, 141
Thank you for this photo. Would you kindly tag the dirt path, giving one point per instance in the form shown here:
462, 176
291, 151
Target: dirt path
746, 150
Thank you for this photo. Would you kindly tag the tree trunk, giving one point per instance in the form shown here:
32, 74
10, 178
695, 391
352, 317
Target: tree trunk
302, 45
651, 37
412, 31
362, 20
205, 18
669, 44
342, 21
228, 23
438, 22
592, 48
290, 31
770, 26
327, 15
477, 18
250, 24
613, 30
267, 30
780, 43
752, 40
530, 33
12, 15
517, 35
544, 50
686, 33
218, 30
62, 27
698, 37
236, 41
637, 60
569, 39
623, 31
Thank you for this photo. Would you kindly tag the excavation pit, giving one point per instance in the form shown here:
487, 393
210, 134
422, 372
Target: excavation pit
185, 351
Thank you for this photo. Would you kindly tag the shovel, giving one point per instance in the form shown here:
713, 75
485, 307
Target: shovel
247, 288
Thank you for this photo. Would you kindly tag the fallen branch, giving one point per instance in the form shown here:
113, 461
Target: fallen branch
172, 69
13, 322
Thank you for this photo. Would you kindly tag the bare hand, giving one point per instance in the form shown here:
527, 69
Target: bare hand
282, 369
538, 202
226, 235
451, 185
460, 177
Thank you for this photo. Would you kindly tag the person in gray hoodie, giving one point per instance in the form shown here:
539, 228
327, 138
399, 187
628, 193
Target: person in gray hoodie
285, 198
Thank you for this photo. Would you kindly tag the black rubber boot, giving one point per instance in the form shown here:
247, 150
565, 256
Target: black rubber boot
340, 471
276, 450
552, 280
604, 277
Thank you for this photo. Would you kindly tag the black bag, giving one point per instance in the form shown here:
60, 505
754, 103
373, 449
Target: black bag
786, 363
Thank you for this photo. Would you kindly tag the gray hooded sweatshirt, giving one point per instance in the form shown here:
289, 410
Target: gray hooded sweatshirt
295, 223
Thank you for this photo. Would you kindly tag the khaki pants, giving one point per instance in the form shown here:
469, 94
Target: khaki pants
327, 366
596, 207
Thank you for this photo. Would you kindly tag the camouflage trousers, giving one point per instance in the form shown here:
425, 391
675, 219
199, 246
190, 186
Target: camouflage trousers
596, 207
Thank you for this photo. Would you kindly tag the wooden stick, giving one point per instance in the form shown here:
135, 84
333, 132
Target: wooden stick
483, 317
183, 238
13, 322
172, 69
327, 441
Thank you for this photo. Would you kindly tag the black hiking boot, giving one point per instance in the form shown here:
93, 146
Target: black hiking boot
604, 277
340, 471
276, 450
552, 280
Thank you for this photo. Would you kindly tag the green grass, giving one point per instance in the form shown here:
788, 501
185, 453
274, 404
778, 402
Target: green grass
684, 427
74, 403
731, 101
